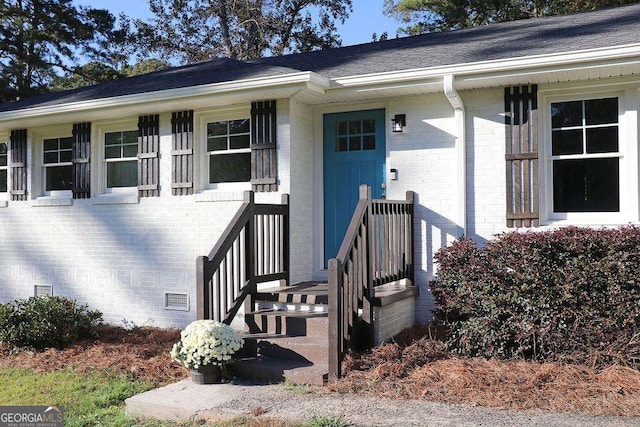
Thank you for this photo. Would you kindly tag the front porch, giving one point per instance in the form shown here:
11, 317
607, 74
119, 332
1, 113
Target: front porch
301, 331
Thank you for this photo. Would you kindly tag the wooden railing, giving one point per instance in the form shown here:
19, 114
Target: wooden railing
377, 249
253, 249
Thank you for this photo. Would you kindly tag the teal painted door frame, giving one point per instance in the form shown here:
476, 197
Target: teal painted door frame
354, 153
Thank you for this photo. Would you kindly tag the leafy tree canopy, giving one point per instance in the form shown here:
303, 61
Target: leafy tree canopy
187, 31
38, 38
422, 16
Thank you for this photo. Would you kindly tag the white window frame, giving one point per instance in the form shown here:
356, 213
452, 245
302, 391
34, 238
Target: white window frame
39, 168
45, 166
627, 154
100, 177
4, 139
202, 119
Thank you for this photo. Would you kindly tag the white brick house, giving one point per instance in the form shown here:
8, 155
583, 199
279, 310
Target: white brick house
86, 213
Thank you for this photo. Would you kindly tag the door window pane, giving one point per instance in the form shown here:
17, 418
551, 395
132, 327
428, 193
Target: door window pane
361, 135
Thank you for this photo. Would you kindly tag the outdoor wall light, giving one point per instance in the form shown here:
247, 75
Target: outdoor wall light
398, 122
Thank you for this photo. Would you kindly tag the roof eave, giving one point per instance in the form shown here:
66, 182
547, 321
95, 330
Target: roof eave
306, 80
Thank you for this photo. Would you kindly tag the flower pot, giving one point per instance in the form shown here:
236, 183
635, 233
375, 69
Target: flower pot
208, 374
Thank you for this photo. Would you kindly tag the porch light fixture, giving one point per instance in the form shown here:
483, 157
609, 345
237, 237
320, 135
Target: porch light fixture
398, 122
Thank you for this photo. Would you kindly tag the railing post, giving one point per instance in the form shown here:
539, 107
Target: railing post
335, 319
411, 197
365, 192
203, 292
285, 238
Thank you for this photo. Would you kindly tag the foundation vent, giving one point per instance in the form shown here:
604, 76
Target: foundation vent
43, 290
174, 301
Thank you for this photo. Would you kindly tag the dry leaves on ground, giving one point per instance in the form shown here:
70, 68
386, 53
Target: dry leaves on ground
143, 352
424, 370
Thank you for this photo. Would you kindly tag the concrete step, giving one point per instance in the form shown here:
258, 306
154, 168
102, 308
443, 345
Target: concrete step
269, 370
296, 307
302, 293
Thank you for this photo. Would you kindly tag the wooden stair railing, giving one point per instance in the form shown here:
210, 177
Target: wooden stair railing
253, 249
377, 249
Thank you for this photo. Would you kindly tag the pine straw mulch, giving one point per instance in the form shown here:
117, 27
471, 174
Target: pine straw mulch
423, 369
141, 352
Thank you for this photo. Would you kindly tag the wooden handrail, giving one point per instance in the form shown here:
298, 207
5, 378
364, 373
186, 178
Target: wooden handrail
377, 249
232, 270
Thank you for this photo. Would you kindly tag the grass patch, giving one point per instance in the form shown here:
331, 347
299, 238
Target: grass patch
93, 398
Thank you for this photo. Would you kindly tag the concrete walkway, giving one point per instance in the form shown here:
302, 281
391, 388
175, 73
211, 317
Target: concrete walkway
185, 401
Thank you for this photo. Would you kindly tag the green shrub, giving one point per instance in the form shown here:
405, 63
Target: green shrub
571, 294
42, 322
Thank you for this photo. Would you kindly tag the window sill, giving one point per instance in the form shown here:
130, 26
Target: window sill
116, 199
603, 221
3, 203
49, 201
220, 196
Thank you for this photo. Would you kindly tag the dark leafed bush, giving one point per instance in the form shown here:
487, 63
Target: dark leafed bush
43, 322
571, 294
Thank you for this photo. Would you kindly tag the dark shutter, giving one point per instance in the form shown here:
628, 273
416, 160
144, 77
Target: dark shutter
521, 120
264, 172
18, 164
148, 147
81, 160
182, 153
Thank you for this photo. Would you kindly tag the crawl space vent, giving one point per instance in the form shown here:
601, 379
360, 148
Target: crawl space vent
43, 290
173, 301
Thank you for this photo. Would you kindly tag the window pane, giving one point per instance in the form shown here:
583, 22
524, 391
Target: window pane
66, 143
130, 137
66, 155
3, 153
216, 128
59, 178
601, 111
341, 128
230, 167
50, 144
130, 150
355, 127
368, 126
122, 174
566, 142
602, 140
354, 143
341, 144
3, 181
239, 126
586, 185
216, 144
112, 138
240, 141
112, 152
369, 142
51, 157
564, 114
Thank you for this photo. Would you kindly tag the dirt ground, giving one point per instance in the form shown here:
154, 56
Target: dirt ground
403, 374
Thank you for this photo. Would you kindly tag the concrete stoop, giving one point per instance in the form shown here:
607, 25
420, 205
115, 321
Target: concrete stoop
275, 370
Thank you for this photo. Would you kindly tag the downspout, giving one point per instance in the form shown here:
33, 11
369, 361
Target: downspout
461, 149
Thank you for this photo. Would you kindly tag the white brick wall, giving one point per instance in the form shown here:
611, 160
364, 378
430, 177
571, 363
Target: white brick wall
122, 258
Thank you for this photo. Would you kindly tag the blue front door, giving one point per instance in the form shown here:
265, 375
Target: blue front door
354, 154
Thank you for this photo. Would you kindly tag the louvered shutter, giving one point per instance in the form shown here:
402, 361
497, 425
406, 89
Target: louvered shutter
148, 147
81, 160
182, 153
521, 120
264, 168
18, 164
